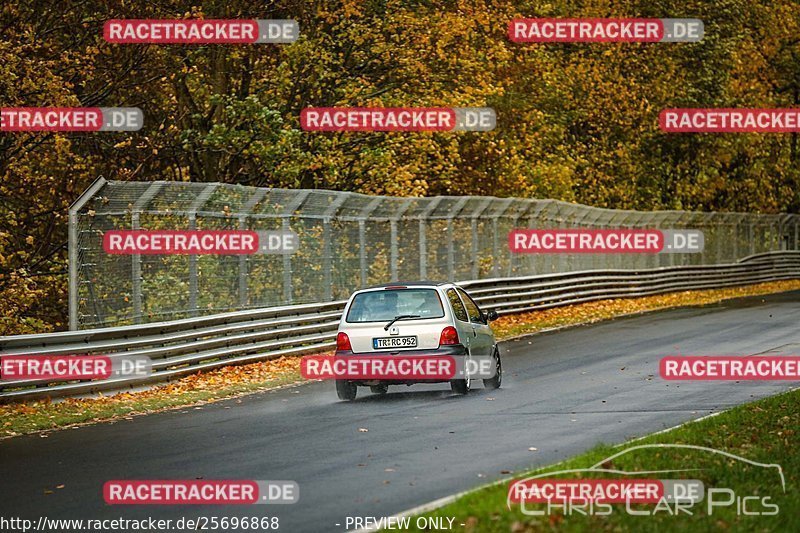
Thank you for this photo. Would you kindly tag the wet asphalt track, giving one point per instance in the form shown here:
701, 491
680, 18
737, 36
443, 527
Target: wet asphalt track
563, 393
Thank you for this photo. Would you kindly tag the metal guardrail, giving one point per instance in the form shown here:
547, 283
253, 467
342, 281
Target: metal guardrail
181, 347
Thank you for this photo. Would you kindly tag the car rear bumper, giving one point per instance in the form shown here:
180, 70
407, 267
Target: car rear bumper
456, 350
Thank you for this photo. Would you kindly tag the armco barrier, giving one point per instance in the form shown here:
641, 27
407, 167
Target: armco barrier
182, 347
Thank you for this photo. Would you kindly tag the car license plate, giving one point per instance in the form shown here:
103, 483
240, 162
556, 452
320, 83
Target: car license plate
394, 342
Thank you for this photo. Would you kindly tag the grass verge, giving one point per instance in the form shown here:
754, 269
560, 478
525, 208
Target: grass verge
28, 417
764, 431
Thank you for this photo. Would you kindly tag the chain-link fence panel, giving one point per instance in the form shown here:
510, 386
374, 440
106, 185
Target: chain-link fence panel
348, 241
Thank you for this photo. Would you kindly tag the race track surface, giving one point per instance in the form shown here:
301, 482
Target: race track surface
563, 392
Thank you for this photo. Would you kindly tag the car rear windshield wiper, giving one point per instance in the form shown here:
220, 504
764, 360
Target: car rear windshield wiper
395, 319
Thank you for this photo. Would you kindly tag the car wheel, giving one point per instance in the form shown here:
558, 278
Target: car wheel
379, 389
346, 390
495, 381
460, 386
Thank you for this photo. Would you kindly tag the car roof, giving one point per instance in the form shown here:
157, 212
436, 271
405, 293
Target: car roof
423, 283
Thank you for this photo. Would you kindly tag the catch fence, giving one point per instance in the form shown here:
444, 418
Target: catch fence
347, 241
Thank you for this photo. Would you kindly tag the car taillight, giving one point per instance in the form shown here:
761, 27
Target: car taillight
343, 341
449, 336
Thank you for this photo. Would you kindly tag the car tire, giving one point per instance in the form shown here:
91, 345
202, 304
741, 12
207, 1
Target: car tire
379, 389
346, 390
460, 386
495, 381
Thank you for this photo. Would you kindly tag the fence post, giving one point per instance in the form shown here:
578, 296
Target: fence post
199, 202
393, 261
136, 259
362, 251
243, 296
247, 209
136, 276
495, 265
512, 257
362, 237
393, 250
73, 269
327, 255
474, 227
73, 248
495, 244
288, 288
796, 233
595, 223
451, 267
559, 217
288, 212
433, 203
193, 271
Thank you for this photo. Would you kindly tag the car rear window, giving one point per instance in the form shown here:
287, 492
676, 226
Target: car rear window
384, 305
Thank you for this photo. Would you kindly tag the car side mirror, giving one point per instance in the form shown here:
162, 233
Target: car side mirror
491, 315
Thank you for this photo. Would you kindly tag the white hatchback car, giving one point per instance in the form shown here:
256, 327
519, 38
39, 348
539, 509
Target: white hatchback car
415, 319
